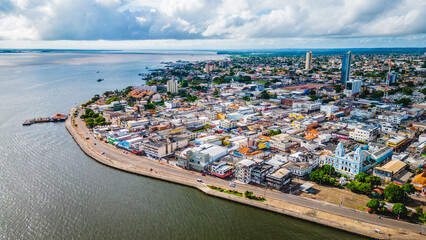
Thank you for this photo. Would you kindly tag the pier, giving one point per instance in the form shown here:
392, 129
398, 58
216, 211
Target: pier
55, 118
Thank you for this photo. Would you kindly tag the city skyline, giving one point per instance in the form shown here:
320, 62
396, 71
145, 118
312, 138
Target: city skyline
198, 24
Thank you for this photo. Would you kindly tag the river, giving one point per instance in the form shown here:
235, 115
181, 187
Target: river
49, 189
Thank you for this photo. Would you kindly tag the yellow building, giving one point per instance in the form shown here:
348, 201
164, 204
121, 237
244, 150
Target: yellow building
296, 115
396, 142
221, 116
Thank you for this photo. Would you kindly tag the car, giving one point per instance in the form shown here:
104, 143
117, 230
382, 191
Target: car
232, 184
94, 143
199, 180
102, 152
87, 138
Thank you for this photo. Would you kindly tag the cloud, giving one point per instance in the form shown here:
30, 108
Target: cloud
206, 19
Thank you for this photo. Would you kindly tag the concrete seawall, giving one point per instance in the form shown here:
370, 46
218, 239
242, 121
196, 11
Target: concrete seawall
282, 207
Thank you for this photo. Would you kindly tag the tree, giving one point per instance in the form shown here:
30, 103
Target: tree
328, 169
89, 112
360, 177
184, 84
364, 188
373, 181
409, 188
338, 88
407, 91
373, 204
265, 95
394, 193
246, 98
90, 122
316, 175
400, 210
419, 210
404, 101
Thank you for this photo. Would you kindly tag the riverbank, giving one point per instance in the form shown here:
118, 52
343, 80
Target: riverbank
326, 214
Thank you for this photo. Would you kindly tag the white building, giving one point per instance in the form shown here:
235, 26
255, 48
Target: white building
309, 106
172, 86
228, 124
353, 87
329, 109
170, 104
365, 133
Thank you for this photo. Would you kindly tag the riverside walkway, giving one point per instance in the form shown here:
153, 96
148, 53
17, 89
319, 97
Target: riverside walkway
331, 215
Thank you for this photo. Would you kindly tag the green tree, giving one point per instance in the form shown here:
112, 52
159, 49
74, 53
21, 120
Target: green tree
373, 181
338, 88
364, 188
184, 83
404, 101
407, 91
394, 193
90, 122
419, 210
246, 98
409, 188
400, 210
360, 177
89, 112
316, 175
373, 204
328, 169
265, 95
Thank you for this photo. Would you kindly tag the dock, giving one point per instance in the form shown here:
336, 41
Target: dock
55, 118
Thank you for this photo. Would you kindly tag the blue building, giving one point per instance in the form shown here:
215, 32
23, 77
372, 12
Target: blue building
350, 163
346, 67
392, 76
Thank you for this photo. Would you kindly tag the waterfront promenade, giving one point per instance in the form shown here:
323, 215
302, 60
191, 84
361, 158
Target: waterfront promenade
308, 209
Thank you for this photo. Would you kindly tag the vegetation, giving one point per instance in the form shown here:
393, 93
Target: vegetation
113, 99
274, 132
375, 205
338, 88
400, 210
408, 188
394, 193
250, 195
323, 175
364, 183
233, 192
246, 98
93, 119
404, 101
93, 100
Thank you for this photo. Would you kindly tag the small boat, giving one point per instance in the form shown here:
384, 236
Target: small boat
97, 72
146, 67
100, 80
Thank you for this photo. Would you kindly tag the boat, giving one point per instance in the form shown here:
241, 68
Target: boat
100, 80
97, 72
146, 67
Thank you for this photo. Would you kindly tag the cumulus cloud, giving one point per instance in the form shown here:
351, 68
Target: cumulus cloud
206, 19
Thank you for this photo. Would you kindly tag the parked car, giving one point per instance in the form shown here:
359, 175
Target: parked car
232, 184
102, 152
199, 180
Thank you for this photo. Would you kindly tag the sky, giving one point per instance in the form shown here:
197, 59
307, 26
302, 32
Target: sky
211, 24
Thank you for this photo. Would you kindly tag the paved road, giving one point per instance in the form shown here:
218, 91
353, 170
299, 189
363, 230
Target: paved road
160, 168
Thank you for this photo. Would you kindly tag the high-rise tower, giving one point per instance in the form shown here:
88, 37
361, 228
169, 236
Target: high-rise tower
308, 64
346, 67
